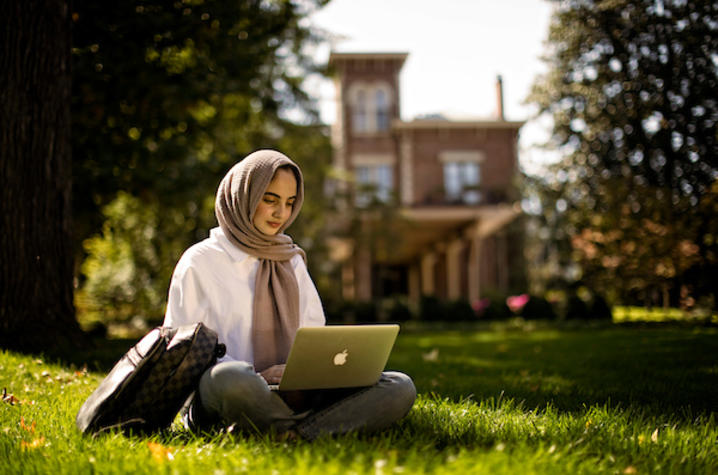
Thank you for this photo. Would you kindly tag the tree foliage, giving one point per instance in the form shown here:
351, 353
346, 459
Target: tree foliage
167, 96
631, 90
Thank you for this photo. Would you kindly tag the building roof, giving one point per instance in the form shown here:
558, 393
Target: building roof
456, 124
335, 57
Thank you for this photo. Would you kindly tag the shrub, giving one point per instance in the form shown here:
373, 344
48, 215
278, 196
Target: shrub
576, 308
431, 308
459, 310
599, 309
128, 266
399, 311
538, 308
496, 310
365, 312
337, 311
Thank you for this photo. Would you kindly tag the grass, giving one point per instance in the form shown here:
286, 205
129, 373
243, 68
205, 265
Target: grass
527, 399
623, 314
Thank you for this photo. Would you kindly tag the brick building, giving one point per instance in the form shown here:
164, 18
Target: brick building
452, 234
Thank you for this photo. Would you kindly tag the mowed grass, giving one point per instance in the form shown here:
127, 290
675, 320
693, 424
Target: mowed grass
525, 399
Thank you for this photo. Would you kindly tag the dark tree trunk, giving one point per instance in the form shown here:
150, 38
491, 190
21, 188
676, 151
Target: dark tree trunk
36, 307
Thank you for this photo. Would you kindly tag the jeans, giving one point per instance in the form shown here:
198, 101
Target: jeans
232, 393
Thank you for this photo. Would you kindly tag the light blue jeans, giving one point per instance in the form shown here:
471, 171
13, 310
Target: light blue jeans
232, 393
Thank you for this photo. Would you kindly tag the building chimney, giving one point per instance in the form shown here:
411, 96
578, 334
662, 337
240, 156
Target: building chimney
499, 98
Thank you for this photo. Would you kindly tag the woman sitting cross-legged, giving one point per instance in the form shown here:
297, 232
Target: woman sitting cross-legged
249, 282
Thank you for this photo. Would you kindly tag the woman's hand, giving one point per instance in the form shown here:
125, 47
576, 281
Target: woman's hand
273, 374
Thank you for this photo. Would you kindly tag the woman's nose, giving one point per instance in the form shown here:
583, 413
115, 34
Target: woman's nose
280, 210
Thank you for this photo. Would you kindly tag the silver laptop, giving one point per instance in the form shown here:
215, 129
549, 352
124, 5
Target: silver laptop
337, 356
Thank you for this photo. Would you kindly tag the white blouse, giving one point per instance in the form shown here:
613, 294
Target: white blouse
213, 283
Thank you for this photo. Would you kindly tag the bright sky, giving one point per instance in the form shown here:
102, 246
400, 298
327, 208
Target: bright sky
456, 49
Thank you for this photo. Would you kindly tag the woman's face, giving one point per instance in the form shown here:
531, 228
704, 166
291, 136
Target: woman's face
276, 205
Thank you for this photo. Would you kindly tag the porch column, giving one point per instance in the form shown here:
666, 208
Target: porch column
453, 269
428, 261
502, 260
475, 269
406, 167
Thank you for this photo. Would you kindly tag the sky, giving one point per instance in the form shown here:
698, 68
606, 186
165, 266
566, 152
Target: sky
456, 50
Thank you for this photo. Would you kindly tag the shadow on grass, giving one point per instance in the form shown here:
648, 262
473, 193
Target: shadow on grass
662, 368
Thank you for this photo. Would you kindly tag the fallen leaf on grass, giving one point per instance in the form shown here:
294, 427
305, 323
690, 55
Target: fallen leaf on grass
433, 355
159, 452
35, 444
630, 469
654, 436
30, 428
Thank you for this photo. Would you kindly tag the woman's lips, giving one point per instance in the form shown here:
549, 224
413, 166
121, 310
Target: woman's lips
273, 224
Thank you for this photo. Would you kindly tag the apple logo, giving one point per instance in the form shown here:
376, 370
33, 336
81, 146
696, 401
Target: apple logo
341, 358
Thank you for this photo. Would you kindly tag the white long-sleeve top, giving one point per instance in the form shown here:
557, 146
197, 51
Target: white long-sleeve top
213, 283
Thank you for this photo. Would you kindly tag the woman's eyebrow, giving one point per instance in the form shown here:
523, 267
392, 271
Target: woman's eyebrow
277, 196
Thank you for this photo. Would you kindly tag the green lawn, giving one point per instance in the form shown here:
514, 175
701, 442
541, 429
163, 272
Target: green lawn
526, 399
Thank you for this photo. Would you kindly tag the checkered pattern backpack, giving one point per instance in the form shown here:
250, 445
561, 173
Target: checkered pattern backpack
148, 386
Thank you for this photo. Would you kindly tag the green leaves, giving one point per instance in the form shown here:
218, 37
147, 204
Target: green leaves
167, 95
631, 92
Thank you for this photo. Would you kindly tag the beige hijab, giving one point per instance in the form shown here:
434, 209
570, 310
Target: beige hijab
276, 293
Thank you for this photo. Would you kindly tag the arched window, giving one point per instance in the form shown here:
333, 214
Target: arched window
360, 119
370, 106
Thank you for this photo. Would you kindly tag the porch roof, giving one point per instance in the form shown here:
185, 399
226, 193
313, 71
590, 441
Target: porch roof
432, 228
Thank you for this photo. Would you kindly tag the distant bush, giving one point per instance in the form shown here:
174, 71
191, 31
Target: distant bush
365, 312
496, 309
124, 274
538, 308
492, 306
599, 309
459, 311
431, 308
337, 311
576, 308
399, 311
344, 311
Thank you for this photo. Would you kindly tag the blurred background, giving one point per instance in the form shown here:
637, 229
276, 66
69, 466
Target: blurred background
573, 144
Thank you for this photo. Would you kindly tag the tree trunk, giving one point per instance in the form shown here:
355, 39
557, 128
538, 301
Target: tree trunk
36, 307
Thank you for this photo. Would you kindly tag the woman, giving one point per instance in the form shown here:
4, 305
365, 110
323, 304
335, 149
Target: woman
249, 282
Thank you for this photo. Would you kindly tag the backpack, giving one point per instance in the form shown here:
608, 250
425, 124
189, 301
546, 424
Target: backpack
148, 386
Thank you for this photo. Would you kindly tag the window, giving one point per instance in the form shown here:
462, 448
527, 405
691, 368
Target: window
461, 182
370, 106
382, 110
360, 113
374, 182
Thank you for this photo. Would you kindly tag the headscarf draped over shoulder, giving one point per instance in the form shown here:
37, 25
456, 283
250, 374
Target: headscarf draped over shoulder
275, 317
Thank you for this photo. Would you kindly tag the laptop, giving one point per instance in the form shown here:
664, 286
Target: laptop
337, 356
